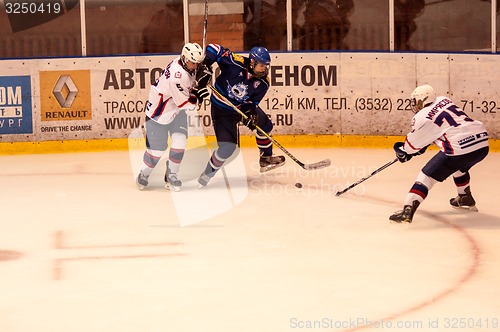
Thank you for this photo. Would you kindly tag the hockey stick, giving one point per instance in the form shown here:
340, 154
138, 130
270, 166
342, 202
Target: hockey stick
366, 178
318, 165
205, 24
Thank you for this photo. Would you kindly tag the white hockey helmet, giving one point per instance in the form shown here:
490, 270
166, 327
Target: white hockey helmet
192, 52
422, 96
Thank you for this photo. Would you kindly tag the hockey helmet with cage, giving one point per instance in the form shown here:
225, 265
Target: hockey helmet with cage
260, 55
194, 53
422, 96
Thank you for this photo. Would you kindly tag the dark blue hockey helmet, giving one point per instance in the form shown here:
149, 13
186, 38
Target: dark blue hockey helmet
260, 56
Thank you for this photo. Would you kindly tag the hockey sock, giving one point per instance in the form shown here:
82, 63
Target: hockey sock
264, 144
214, 164
418, 192
462, 181
150, 159
175, 157
420, 188
177, 148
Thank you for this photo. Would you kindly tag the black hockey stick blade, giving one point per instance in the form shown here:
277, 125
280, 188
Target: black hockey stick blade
343, 191
318, 165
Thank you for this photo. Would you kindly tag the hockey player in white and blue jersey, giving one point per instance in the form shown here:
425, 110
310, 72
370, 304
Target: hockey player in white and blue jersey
173, 93
463, 142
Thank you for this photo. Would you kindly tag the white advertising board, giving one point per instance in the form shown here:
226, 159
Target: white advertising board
316, 93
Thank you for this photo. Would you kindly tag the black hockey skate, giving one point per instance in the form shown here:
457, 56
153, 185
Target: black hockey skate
464, 201
268, 163
142, 181
405, 215
171, 181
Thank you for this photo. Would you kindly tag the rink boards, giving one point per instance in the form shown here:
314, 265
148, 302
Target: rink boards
315, 99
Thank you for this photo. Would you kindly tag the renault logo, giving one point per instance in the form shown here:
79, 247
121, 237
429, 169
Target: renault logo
65, 91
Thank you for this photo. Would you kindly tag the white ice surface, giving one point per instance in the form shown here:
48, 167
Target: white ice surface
96, 254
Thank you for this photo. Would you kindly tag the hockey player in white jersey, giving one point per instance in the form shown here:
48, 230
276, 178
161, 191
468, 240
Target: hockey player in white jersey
463, 142
173, 93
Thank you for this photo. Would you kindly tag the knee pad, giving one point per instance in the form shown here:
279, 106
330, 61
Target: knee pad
263, 121
178, 141
425, 180
226, 149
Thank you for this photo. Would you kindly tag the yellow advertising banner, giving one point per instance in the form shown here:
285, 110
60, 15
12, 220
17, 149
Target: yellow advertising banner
65, 95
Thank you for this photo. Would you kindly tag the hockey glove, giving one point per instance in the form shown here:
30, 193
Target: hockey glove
401, 153
251, 121
249, 109
203, 76
421, 151
192, 99
200, 93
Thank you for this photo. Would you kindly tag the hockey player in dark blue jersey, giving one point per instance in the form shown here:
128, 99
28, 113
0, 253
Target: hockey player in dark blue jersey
244, 82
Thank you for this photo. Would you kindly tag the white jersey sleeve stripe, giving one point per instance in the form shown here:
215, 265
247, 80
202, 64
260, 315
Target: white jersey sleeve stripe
447, 146
160, 107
